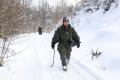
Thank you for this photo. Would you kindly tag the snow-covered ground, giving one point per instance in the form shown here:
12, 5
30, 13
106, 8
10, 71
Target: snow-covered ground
100, 31
96, 30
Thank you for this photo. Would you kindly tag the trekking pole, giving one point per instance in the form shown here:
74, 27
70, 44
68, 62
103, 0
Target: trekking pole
53, 59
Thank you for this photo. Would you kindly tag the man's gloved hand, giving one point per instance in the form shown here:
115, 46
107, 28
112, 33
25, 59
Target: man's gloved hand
53, 46
78, 45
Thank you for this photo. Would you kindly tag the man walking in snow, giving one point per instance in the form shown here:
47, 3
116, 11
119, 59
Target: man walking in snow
67, 37
40, 30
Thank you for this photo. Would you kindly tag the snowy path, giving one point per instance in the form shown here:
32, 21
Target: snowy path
34, 63
42, 54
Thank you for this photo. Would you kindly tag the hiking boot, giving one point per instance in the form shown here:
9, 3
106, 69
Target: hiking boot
64, 68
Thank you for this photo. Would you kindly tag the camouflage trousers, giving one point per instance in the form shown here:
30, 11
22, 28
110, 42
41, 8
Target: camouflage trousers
65, 53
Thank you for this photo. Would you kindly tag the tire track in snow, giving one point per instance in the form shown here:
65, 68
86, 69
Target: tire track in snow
71, 74
38, 54
77, 71
79, 66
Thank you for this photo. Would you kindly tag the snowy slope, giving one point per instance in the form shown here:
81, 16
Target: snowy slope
96, 31
100, 31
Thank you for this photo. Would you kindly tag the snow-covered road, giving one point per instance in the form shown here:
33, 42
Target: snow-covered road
42, 54
34, 62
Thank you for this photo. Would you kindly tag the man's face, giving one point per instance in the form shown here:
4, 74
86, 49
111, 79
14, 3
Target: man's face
66, 23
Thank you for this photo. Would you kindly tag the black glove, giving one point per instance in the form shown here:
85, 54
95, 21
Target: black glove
53, 46
78, 45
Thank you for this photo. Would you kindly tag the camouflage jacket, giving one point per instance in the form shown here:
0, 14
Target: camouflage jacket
64, 36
